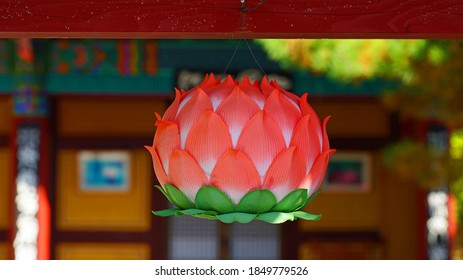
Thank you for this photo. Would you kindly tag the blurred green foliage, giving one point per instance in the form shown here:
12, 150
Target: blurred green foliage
431, 87
428, 70
348, 60
456, 169
456, 145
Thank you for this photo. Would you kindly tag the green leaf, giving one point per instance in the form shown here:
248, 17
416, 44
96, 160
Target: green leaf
178, 213
192, 211
243, 218
257, 201
306, 216
206, 216
162, 190
165, 212
195, 211
275, 217
211, 198
313, 196
293, 200
309, 200
177, 197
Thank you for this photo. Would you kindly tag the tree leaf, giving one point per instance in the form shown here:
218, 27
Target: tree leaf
257, 201
294, 200
306, 216
211, 198
275, 217
243, 218
165, 212
177, 197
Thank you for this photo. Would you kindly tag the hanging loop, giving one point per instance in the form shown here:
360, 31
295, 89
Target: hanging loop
246, 9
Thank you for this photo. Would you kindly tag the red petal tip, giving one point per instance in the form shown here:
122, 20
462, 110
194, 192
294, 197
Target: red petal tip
246, 80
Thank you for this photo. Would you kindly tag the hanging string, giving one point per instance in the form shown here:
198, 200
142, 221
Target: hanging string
243, 11
233, 56
252, 54
255, 59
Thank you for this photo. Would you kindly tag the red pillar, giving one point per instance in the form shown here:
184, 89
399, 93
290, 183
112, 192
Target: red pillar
30, 219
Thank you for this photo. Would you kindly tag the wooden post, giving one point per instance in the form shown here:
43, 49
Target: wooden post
30, 230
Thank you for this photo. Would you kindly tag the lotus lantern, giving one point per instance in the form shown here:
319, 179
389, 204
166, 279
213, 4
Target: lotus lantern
237, 151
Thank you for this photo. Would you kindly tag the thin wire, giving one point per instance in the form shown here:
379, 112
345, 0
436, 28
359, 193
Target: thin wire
243, 11
254, 57
231, 58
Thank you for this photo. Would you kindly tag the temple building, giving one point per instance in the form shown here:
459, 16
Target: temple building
76, 182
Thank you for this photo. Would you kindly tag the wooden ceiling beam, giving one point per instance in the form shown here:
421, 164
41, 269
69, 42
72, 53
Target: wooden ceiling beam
227, 19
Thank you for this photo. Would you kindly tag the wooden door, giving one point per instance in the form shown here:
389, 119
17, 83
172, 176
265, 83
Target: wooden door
103, 180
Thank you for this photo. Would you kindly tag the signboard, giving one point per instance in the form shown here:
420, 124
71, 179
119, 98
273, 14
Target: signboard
104, 171
348, 172
187, 79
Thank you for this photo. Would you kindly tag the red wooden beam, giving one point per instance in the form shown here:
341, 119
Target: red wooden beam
231, 19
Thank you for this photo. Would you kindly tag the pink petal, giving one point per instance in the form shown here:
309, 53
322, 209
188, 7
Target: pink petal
285, 173
236, 110
208, 82
315, 177
185, 97
158, 169
252, 91
306, 138
208, 140
186, 174
326, 142
158, 117
171, 112
166, 139
261, 140
266, 87
235, 175
191, 112
283, 113
288, 94
306, 109
218, 93
269, 87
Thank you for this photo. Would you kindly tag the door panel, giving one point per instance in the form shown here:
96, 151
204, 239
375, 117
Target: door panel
103, 251
89, 210
103, 187
3, 251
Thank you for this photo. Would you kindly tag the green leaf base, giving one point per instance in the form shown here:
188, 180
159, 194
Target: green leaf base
212, 204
